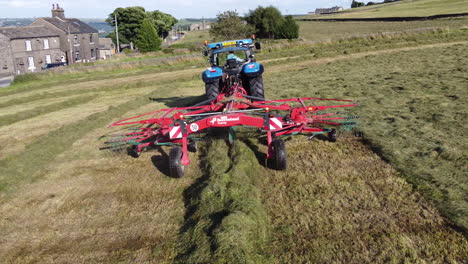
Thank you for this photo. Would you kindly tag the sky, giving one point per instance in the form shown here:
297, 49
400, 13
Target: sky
177, 8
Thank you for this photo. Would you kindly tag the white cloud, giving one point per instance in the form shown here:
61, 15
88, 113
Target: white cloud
21, 3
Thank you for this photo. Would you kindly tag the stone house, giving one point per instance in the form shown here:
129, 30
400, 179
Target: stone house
78, 40
28, 49
201, 26
328, 10
106, 48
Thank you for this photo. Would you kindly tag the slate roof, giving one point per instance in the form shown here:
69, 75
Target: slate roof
27, 32
76, 26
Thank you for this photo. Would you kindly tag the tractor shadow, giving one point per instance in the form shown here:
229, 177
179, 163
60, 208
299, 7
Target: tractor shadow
179, 101
160, 162
260, 155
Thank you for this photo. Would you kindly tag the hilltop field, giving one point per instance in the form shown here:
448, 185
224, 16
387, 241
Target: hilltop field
395, 195
403, 8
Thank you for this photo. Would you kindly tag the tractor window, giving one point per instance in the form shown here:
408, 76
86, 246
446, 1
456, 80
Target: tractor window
223, 56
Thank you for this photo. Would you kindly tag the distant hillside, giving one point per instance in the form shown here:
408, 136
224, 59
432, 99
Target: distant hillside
15, 22
405, 8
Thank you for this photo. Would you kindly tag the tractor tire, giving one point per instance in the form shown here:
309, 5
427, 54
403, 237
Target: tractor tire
176, 169
192, 146
280, 158
212, 90
332, 135
133, 152
256, 87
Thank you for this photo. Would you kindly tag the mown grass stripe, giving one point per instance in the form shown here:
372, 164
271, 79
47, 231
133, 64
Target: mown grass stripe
113, 88
17, 168
13, 118
225, 219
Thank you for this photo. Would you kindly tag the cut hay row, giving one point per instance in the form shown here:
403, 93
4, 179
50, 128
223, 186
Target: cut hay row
40, 110
225, 220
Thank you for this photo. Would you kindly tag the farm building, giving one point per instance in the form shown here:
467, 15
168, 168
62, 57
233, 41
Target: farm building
78, 40
106, 48
28, 49
328, 10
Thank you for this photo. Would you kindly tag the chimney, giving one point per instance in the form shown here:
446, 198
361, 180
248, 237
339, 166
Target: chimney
58, 12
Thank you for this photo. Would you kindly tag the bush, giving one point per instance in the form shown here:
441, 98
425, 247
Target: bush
27, 77
148, 39
355, 4
289, 29
270, 23
229, 25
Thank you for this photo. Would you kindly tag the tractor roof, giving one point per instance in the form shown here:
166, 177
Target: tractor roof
216, 51
229, 43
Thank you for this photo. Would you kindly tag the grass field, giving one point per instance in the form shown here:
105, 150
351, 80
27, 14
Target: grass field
405, 8
396, 195
322, 31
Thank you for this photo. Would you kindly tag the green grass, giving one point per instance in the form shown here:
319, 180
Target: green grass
10, 119
225, 220
193, 40
340, 203
62, 199
412, 114
406, 8
321, 31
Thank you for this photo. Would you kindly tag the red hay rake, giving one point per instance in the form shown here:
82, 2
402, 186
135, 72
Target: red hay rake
276, 118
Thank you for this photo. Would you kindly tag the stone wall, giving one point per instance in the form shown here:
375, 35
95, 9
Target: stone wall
7, 67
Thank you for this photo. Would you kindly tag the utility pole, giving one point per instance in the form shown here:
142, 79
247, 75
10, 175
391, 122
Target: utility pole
117, 33
70, 45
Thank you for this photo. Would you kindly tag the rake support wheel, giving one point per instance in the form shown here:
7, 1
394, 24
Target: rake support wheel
133, 152
280, 158
332, 135
176, 169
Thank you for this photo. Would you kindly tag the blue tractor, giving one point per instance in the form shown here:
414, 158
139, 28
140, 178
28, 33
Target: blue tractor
233, 62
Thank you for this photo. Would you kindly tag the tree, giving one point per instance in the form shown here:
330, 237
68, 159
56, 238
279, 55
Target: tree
355, 4
270, 23
289, 29
230, 26
148, 39
129, 22
266, 20
162, 22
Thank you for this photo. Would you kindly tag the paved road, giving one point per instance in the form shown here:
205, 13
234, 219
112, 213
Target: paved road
5, 82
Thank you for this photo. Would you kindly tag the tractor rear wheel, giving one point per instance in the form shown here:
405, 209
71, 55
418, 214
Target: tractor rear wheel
176, 169
280, 158
212, 90
256, 87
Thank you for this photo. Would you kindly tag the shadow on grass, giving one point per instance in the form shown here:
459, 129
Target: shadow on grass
261, 157
179, 101
161, 161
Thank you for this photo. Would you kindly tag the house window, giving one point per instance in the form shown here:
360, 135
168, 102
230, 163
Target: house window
46, 44
28, 45
31, 63
75, 40
91, 38
48, 60
92, 54
77, 56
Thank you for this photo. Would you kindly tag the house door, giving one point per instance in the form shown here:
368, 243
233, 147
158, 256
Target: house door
48, 59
